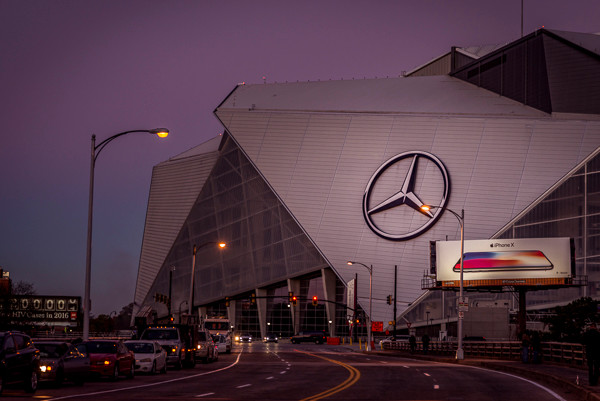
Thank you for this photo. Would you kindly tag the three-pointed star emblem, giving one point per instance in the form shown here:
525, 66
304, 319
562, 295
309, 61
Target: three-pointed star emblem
406, 196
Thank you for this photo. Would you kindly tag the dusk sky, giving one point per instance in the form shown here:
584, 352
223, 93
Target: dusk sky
70, 69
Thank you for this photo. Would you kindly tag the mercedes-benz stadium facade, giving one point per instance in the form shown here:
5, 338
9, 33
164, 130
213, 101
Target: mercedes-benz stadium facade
310, 175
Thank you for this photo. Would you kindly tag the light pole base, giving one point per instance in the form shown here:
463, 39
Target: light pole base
460, 354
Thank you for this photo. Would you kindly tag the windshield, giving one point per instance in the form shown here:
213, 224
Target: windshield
141, 348
51, 350
160, 334
97, 347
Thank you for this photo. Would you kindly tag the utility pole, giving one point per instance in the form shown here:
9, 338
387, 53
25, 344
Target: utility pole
395, 295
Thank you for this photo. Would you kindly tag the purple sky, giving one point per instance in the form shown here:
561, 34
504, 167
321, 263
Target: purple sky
70, 69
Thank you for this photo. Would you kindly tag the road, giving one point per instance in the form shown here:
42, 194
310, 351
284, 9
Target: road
307, 372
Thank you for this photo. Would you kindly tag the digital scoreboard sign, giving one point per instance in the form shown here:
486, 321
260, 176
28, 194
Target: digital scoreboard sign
48, 309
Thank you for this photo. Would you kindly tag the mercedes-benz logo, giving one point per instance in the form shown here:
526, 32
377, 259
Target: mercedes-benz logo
395, 193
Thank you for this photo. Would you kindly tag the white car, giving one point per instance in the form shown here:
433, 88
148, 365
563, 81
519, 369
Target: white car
150, 357
223, 343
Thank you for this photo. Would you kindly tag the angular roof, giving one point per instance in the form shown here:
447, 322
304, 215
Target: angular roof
411, 95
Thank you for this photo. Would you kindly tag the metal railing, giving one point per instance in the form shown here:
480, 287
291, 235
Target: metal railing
555, 352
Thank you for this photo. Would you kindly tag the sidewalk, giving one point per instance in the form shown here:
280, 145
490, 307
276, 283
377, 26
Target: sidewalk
569, 379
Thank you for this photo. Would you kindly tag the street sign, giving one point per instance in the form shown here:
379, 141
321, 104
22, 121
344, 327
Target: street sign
377, 326
463, 304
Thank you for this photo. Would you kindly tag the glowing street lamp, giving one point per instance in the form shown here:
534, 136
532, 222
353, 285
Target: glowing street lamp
96, 149
461, 220
370, 269
221, 245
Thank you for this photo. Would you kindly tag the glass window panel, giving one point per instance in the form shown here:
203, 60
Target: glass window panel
594, 164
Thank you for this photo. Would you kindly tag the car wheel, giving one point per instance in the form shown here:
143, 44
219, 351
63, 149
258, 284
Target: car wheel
1, 384
115, 375
164, 369
216, 356
131, 373
153, 369
31, 384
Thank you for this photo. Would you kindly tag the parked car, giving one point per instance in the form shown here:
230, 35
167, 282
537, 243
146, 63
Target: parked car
222, 342
150, 357
19, 361
271, 338
60, 361
317, 337
402, 338
207, 350
110, 358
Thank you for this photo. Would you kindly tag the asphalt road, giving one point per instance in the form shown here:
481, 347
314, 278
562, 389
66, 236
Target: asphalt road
306, 372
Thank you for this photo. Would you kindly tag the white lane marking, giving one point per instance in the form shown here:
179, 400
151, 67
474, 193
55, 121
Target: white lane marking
150, 384
282, 372
427, 374
244, 385
270, 377
552, 393
436, 387
204, 395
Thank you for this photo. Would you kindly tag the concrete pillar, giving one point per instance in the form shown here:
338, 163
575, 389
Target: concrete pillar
294, 286
329, 278
261, 305
231, 314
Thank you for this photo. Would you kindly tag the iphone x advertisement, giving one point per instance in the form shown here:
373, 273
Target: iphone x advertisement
507, 259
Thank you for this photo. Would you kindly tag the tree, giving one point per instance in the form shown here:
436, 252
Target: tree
569, 321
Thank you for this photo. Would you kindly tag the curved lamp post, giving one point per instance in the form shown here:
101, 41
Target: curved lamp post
196, 249
461, 220
96, 149
370, 269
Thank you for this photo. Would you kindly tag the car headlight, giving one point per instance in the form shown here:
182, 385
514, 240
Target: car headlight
45, 368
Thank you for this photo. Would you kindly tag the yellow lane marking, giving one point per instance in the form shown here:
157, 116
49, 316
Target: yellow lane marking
350, 381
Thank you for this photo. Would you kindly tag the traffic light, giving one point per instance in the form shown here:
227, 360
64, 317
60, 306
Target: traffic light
227, 302
389, 299
315, 300
294, 300
290, 296
252, 299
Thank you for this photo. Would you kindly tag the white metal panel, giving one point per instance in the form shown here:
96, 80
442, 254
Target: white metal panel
489, 159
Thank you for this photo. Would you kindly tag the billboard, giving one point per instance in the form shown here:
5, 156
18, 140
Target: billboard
41, 309
505, 262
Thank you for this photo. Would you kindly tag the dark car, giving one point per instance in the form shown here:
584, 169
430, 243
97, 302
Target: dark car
271, 338
60, 361
473, 338
317, 337
110, 358
19, 361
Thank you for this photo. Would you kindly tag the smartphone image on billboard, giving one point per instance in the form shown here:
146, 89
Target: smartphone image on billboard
504, 261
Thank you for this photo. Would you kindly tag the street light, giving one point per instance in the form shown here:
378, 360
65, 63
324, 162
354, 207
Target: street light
370, 269
96, 149
191, 299
461, 220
